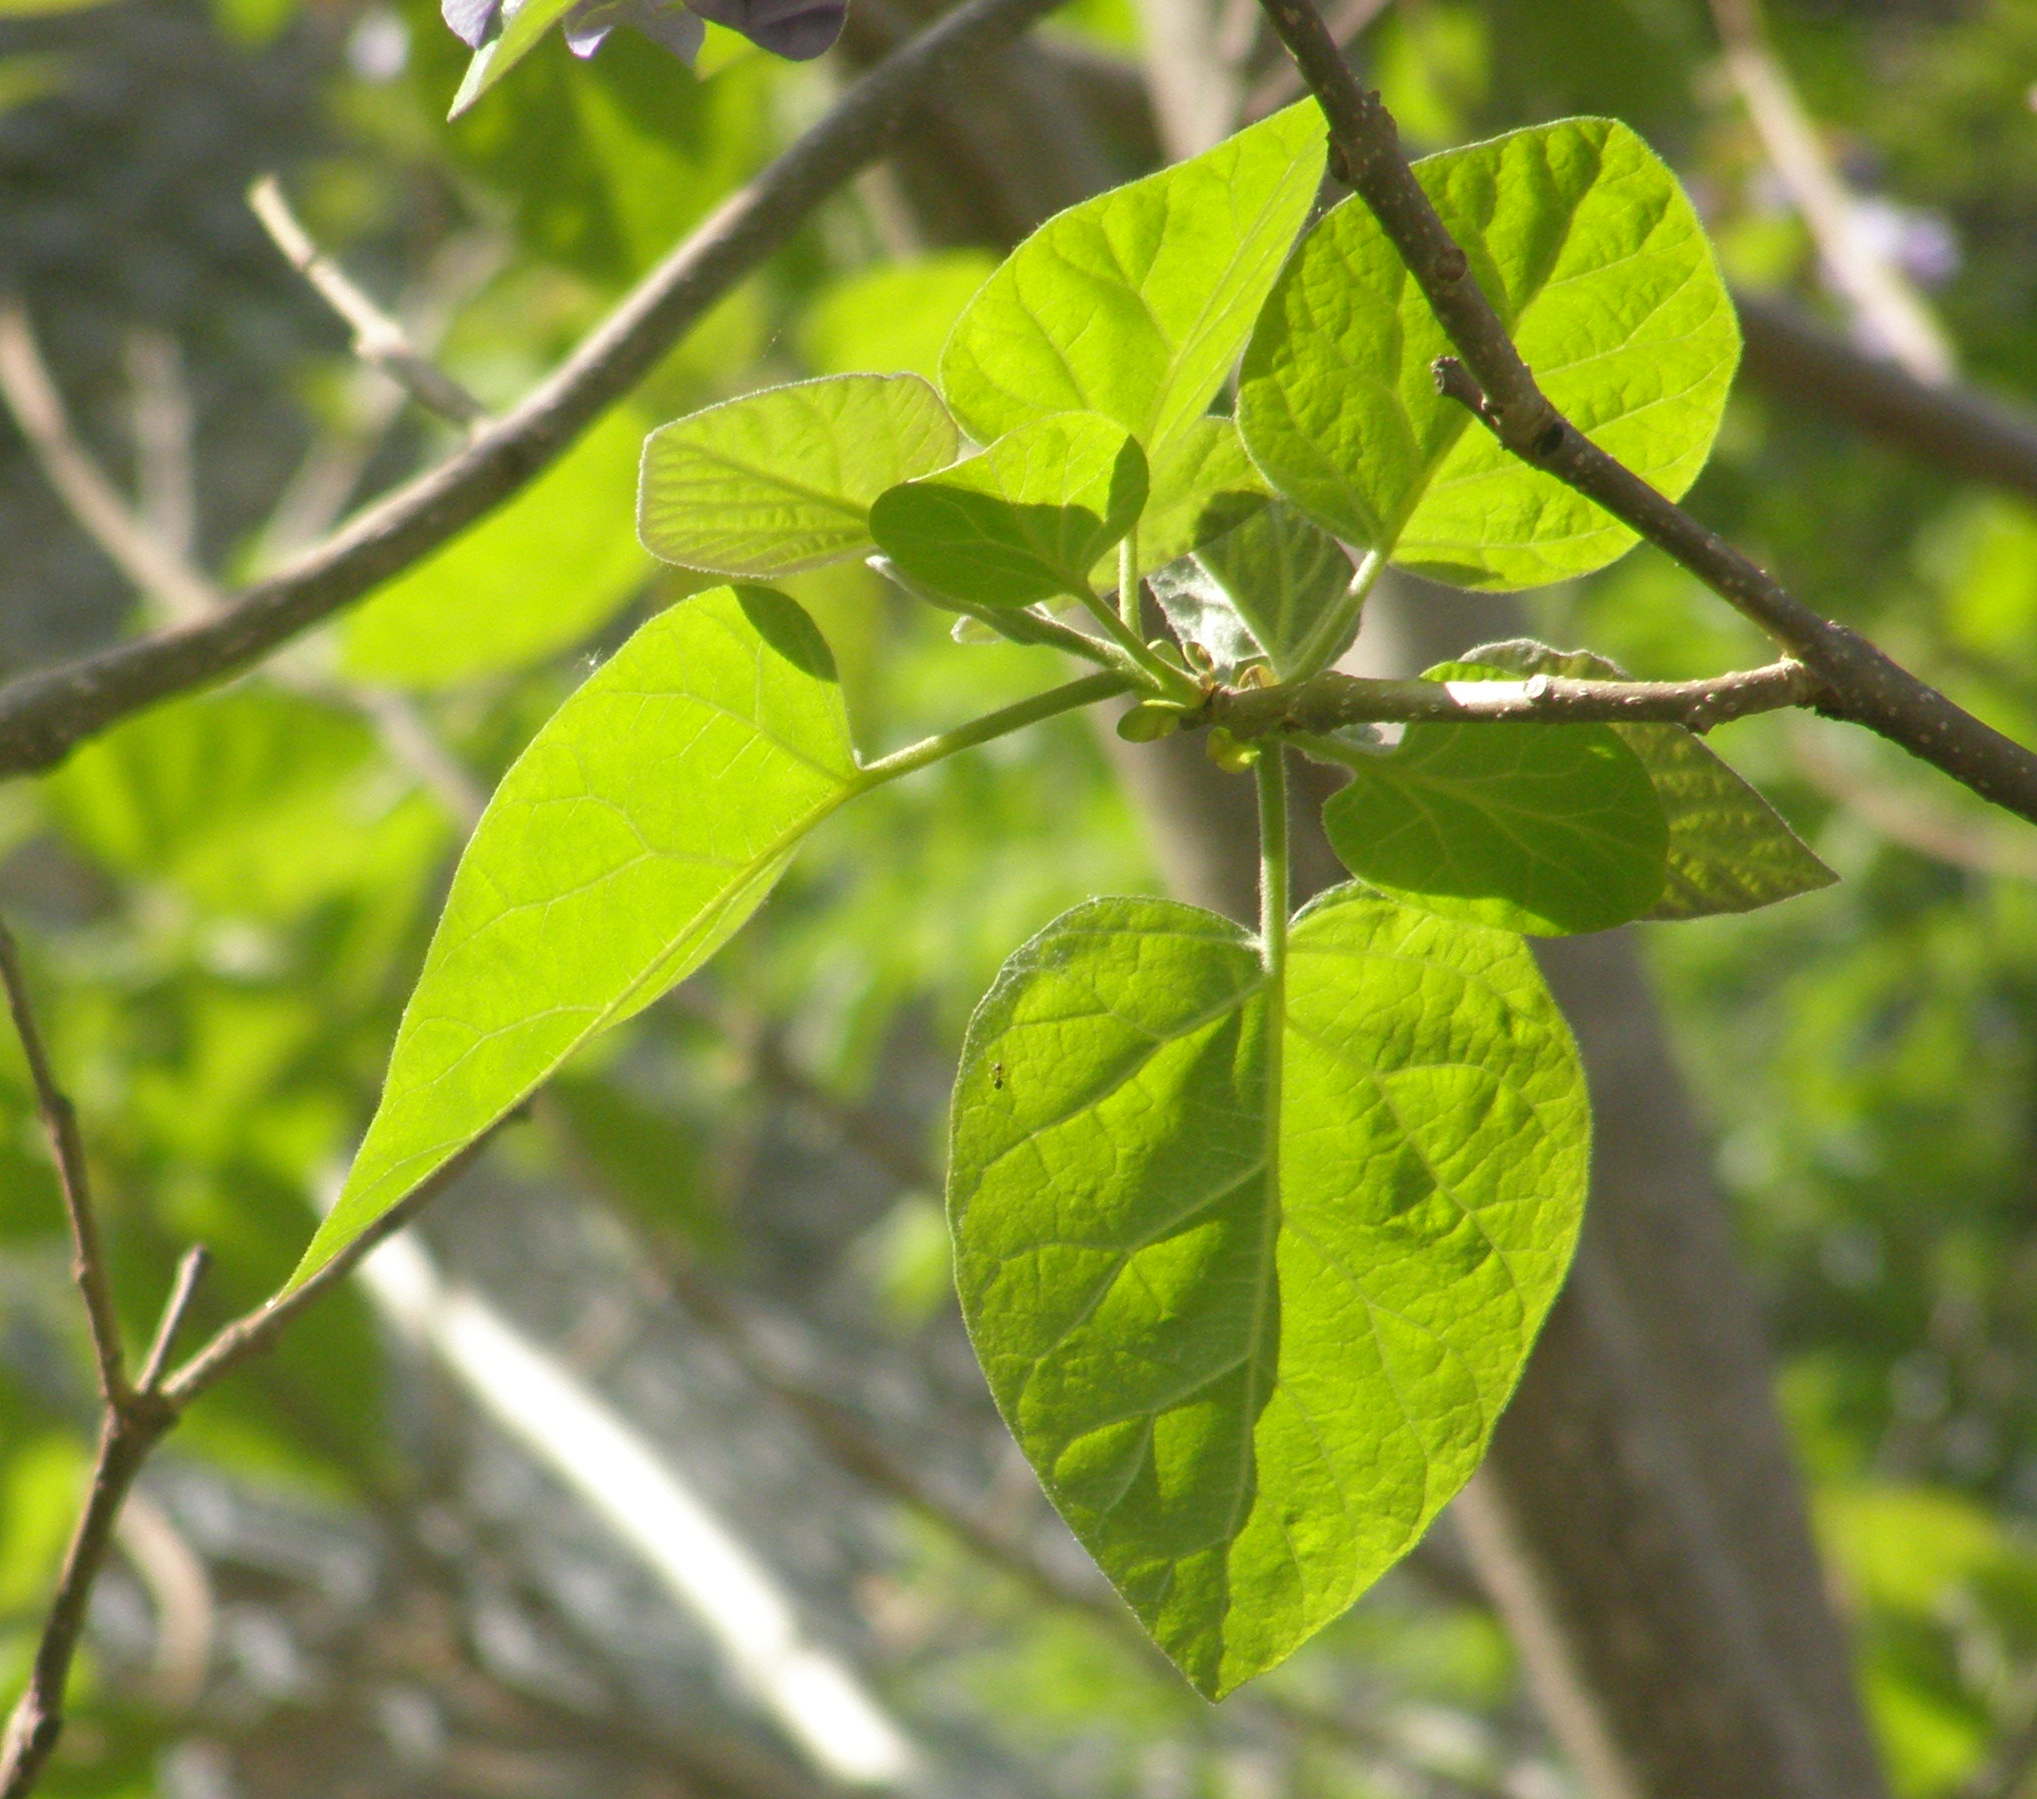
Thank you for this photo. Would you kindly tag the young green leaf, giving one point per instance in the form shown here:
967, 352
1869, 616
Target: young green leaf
1251, 1272
1596, 261
1023, 520
1135, 304
1203, 484
1549, 829
645, 822
1286, 583
1729, 850
780, 481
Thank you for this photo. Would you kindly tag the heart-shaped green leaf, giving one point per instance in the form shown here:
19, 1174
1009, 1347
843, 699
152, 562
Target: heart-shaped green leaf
1135, 304
1284, 580
644, 823
1596, 262
1729, 849
1252, 1272
1022, 521
1549, 829
780, 481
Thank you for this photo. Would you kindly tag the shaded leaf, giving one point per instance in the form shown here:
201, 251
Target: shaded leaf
1729, 850
1023, 520
1596, 261
1549, 829
1252, 1275
645, 822
780, 481
1285, 582
1203, 484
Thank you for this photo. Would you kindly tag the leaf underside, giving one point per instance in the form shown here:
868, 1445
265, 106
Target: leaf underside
781, 481
1251, 1281
1728, 849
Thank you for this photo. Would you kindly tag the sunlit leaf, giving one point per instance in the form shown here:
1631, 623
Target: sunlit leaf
519, 37
642, 826
1597, 263
1135, 304
1022, 521
1252, 1272
782, 480
1202, 484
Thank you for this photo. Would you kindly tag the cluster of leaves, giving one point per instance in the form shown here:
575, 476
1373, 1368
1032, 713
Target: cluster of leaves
1252, 1233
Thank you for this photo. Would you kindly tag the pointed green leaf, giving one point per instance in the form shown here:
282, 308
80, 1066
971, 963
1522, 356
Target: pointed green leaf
1251, 1280
1596, 261
1286, 583
1022, 521
782, 480
1135, 304
641, 827
1729, 849
1549, 829
517, 39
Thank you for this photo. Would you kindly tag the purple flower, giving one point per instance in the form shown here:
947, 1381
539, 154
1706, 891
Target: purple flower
796, 29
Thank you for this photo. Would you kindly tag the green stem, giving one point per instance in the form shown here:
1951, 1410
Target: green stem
929, 750
1128, 583
1274, 879
1162, 677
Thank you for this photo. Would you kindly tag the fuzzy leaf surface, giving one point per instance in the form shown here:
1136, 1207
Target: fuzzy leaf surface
1252, 1275
1021, 521
1729, 849
781, 481
1549, 829
1283, 579
643, 824
1592, 254
1136, 303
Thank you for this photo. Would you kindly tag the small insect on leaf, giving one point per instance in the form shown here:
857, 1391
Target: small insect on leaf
997, 1076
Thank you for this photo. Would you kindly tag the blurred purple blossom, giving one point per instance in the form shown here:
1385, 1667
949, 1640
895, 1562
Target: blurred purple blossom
796, 29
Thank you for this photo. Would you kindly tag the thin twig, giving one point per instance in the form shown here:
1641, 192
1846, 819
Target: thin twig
32, 397
256, 1332
191, 1267
1886, 301
166, 486
1328, 701
67, 1150
42, 716
129, 1431
378, 339
1857, 681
